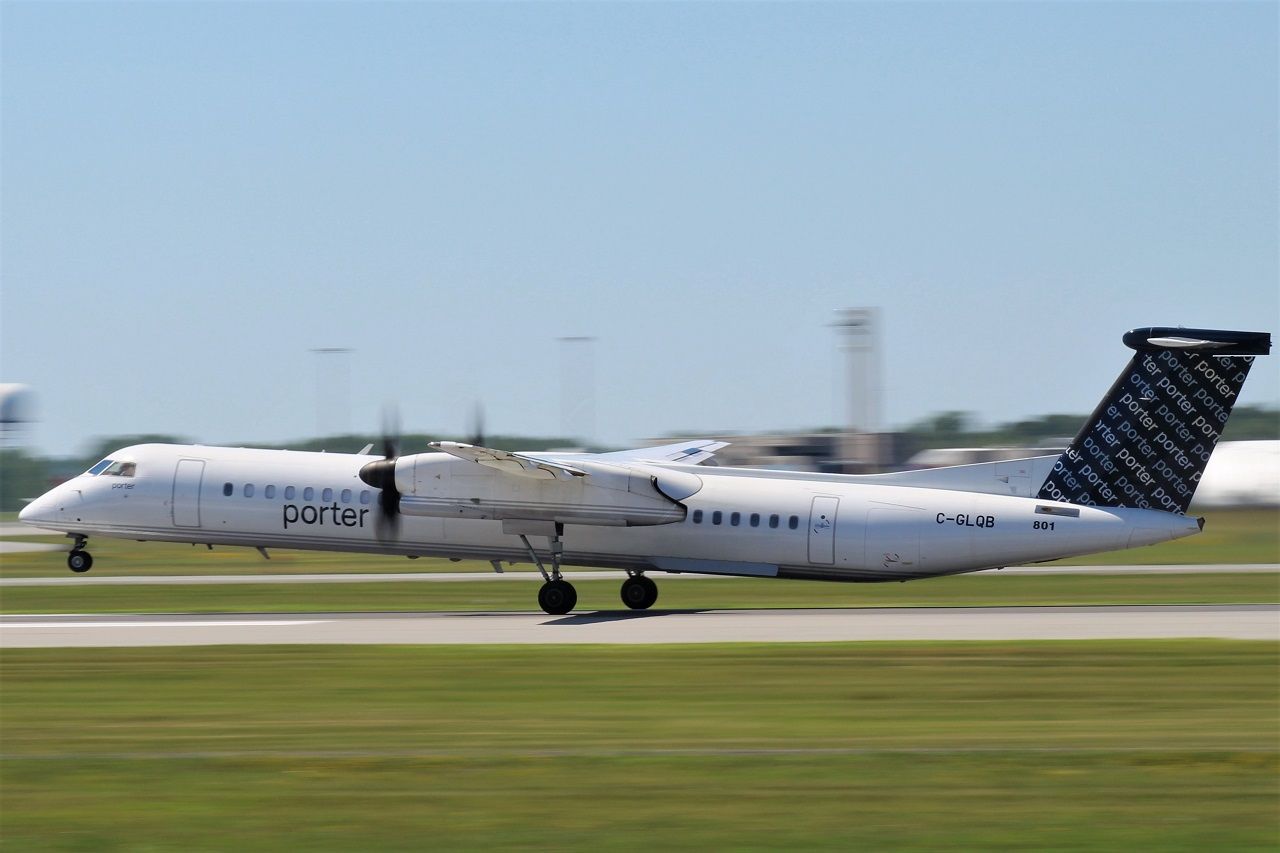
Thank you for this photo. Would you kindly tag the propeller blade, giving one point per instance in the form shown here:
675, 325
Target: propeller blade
390, 432
381, 475
387, 524
477, 425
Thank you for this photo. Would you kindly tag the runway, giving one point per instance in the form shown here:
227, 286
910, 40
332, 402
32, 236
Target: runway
8, 547
575, 576
1242, 622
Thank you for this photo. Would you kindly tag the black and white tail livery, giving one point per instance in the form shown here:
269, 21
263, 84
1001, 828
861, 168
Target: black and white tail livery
1147, 443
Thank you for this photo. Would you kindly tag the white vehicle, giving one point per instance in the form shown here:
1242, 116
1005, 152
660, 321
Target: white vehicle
1126, 480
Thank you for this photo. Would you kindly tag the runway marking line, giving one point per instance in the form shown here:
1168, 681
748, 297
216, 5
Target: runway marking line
274, 623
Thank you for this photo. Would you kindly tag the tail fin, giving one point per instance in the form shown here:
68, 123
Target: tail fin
1149, 440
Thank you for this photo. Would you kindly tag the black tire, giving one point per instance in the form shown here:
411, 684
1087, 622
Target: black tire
639, 592
557, 597
653, 591
79, 561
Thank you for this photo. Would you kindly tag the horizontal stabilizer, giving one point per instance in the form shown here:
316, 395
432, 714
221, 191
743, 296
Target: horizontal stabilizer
1208, 341
1018, 477
685, 452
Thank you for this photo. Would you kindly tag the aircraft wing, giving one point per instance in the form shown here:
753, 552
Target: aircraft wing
567, 467
511, 463
686, 452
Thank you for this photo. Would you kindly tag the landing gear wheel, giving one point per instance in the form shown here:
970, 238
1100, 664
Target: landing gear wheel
557, 597
79, 561
639, 592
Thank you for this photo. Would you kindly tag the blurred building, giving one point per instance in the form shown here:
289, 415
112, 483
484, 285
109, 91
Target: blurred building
943, 456
825, 452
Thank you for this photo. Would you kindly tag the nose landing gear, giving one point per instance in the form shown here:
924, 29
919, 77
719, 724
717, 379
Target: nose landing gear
80, 560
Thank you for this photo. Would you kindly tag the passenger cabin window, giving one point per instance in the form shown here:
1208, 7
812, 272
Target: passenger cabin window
228, 489
327, 495
119, 469
365, 496
308, 493
100, 467
734, 518
289, 492
346, 496
755, 519
269, 492
794, 522
773, 520
248, 490
697, 516
716, 517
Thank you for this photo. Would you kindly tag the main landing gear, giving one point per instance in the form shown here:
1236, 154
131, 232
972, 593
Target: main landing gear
79, 560
639, 592
557, 596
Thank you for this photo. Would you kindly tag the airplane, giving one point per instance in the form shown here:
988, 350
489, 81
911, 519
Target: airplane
1126, 480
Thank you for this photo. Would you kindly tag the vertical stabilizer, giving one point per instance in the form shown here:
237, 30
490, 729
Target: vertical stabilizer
1147, 443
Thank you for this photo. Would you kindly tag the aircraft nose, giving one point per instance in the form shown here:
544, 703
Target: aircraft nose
39, 511
28, 513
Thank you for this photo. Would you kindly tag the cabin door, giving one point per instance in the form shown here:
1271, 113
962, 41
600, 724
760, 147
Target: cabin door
822, 530
187, 478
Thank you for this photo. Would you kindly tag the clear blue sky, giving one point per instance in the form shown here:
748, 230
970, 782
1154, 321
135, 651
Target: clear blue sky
196, 194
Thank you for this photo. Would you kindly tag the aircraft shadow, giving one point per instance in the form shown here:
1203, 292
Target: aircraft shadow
600, 616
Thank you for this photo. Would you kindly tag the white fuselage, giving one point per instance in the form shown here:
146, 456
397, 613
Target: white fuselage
738, 521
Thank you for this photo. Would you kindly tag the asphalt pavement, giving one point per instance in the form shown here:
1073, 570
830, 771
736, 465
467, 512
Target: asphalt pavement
1241, 622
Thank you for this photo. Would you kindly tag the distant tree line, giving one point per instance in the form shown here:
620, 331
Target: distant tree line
960, 429
23, 476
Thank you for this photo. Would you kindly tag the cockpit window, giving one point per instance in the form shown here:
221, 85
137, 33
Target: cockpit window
120, 469
100, 467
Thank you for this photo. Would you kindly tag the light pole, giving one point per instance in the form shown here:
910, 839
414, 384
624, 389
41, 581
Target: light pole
578, 387
859, 330
860, 341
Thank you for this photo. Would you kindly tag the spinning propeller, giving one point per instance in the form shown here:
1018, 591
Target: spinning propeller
477, 425
381, 475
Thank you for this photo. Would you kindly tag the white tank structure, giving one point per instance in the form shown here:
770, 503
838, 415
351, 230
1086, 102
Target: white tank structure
1241, 473
17, 410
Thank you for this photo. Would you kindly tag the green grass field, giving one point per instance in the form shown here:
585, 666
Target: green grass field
675, 594
908, 746
1101, 745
